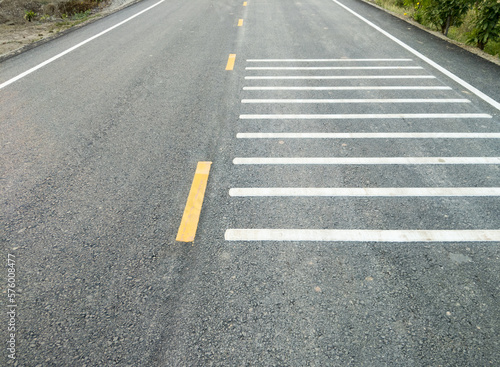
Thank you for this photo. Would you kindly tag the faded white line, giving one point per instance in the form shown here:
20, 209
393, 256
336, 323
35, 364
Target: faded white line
41, 65
449, 74
366, 116
333, 68
352, 88
369, 100
368, 160
338, 235
386, 191
338, 77
326, 60
368, 135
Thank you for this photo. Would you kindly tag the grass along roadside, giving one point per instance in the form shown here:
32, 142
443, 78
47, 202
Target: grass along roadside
457, 34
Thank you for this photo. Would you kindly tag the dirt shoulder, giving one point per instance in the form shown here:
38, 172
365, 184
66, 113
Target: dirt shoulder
17, 34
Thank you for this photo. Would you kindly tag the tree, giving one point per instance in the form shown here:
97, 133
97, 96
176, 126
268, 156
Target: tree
487, 24
445, 13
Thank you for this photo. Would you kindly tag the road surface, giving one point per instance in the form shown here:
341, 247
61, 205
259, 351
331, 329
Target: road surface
351, 215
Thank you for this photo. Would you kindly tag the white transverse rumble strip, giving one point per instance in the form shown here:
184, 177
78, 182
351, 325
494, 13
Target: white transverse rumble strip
368, 160
369, 100
390, 105
335, 235
335, 68
368, 135
365, 191
366, 116
338, 77
354, 87
329, 60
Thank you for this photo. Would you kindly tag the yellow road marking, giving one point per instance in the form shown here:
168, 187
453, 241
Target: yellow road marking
240, 22
191, 216
245, 3
230, 62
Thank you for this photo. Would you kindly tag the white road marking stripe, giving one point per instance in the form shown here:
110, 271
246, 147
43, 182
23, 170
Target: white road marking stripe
351, 88
324, 60
449, 74
368, 135
338, 77
335, 235
41, 65
370, 100
334, 68
368, 160
386, 191
366, 116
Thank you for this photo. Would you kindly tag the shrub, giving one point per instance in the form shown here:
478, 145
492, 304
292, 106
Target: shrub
445, 13
487, 24
29, 15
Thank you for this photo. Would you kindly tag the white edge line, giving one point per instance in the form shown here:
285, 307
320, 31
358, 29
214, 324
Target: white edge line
364, 192
368, 135
46, 62
362, 235
449, 74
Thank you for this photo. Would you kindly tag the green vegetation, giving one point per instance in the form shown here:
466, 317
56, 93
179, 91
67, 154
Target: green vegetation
476, 22
29, 15
487, 23
17, 12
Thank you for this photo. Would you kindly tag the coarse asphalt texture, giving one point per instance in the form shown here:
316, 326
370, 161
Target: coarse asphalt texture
99, 149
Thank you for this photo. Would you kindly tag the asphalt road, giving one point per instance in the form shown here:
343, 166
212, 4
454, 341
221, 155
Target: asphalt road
392, 261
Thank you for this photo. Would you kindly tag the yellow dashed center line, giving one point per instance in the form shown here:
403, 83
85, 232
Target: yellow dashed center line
191, 216
240, 22
245, 3
230, 61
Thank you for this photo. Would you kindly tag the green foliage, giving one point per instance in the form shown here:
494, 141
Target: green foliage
81, 15
487, 24
445, 13
29, 15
